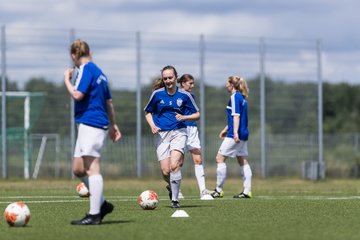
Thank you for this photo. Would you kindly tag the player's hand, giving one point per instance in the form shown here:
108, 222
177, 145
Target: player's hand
68, 74
236, 138
179, 117
114, 133
155, 129
222, 134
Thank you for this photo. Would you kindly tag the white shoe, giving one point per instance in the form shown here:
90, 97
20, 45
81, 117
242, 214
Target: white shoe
206, 195
181, 196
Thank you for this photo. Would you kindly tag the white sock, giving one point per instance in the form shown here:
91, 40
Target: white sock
220, 176
200, 176
247, 176
175, 181
96, 187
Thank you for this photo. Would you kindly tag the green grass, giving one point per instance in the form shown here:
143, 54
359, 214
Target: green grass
280, 209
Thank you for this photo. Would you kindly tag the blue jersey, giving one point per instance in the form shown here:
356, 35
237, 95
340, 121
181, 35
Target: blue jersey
92, 109
237, 106
188, 112
164, 107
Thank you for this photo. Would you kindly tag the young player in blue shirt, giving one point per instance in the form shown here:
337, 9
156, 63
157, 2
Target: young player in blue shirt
235, 137
166, 111
95, 116
186, 82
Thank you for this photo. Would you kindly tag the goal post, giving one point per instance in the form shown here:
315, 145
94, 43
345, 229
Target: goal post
29, 118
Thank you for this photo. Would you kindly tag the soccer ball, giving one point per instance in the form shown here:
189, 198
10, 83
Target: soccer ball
148, 200
82, 190
17, 214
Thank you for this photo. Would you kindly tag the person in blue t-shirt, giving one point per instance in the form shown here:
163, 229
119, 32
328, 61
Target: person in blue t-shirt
235, 137
95, 117
166, 111
193, 145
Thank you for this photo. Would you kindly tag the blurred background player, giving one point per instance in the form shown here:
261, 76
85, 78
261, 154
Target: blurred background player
235, 137
95, 116
186, 82
165, 114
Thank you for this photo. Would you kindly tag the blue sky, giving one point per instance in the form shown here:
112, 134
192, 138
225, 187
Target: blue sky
333, 22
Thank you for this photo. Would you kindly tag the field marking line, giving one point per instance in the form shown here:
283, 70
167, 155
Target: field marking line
65, 199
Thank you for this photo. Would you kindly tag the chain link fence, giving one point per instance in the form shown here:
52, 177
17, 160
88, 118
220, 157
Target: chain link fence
284, 76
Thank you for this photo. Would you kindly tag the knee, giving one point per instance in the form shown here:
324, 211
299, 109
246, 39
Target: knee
78, 173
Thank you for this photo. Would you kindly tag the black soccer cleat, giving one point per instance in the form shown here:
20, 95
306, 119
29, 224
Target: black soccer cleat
243, 195
105, 209
175, 204
88, 220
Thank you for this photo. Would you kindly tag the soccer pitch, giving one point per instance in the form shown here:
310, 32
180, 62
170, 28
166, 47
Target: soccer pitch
279, 209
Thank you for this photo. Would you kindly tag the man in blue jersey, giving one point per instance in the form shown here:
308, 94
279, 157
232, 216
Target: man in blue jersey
95, 116
165, 113
235, 138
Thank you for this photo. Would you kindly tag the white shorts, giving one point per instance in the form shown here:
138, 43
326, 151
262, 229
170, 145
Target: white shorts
90, 141
166, 141
230, 148
193, 141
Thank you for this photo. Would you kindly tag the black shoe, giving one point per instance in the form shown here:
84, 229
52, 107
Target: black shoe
105, 209
88, 220
168, 187
243, 195
175, 204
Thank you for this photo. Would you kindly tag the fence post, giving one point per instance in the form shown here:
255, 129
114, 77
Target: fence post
72, 114
138, 107
3, 103
262, 109
320, 111
202, 96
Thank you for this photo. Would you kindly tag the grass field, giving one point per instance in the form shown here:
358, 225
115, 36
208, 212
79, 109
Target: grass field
280, 209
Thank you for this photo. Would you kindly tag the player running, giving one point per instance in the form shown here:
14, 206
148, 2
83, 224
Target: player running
166, 111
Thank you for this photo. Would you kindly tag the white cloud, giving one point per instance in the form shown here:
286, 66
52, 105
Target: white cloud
334, 22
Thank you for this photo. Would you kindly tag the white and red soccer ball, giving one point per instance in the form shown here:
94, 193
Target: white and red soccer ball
82, 190
148, 200
17, 214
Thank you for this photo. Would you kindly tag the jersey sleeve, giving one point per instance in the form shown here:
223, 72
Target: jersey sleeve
84, 81
151, 106
236, 102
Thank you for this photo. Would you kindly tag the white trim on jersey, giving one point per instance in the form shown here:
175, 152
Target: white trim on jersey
191, 98
232, 104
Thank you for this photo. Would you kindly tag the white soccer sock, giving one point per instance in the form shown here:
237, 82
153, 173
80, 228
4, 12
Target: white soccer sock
96, 187
200, 176
247, 176
220, 176
175, 182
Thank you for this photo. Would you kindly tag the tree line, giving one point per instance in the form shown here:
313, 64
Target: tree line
290, 107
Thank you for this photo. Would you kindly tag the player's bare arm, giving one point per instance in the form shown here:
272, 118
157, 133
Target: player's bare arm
114, 131
76, 95
236, 119
223, 132
191, 117
150, 120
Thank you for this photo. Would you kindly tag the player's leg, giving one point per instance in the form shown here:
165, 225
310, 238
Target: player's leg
221, 172
175, 176
165, 171
199, 170
247, 178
